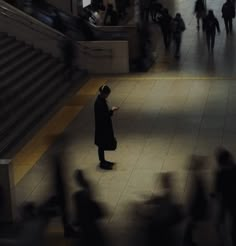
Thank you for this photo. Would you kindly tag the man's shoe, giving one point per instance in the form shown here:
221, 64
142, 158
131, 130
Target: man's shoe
104, 165
110, 163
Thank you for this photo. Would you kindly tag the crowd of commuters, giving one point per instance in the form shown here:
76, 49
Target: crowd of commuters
172, 28
159, 219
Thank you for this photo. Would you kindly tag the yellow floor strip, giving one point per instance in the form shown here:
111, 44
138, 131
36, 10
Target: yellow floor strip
34, 149
177, 77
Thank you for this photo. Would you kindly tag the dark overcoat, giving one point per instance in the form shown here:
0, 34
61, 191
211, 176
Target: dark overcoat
104, 135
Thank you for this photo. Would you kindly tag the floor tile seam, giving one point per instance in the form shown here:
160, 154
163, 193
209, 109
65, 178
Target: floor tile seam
202, 117
30, 194
179, 78
176, 127
225, 116
188, 178
122, 193
163, 164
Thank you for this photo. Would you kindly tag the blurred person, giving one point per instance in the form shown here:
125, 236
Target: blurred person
39, 3
225, 182
58, 22
111, 16
88, 213
155, 9
145, 10
68, 50
178, 27
228, 13
210, 26
200, 11
33, 225
104, 135
121, 8
165, 23
161, 214
198, 199
58, 160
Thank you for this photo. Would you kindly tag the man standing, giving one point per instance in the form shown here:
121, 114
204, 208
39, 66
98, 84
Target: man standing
178, 27
210, 25
200, 11
228, 13
165, 23
104, 135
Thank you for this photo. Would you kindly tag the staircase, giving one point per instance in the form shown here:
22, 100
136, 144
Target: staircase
31, 86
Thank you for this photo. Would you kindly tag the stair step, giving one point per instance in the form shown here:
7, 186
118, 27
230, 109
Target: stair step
6, 41
17, 63
10, 48
26, 110
33, 88
23, 127
38, 99
5, 61
3, 34
31, 82
16, 77
15, 89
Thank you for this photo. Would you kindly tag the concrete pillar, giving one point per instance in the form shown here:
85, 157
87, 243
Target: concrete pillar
7, 192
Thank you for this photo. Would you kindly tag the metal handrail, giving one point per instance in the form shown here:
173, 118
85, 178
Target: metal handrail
29, 23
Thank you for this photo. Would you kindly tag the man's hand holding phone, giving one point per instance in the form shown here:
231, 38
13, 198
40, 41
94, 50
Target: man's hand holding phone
114, 109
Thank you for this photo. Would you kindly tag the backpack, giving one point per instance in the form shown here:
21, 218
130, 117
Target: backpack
178, 26
211, 24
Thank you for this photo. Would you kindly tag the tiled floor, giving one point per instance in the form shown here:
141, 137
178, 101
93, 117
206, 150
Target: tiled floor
178, 108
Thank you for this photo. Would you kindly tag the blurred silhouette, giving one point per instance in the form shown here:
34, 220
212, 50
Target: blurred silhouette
58, 22
210, 25
33, 224
145, 10
104, 135
228, 13
88, 212
58, 160
198, 198
200, 11
225, 183
156, 8
178, 27
121, 8
111, 16
69, 55
161, 214
165, 23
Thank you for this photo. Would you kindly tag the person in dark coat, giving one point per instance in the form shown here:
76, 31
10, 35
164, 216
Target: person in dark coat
104, 135
225, 183
198, 199
58, 162
161, 214
165, 24
88, 212
111, 16
228, 13
68, 51
156, 8
210, 26
178, 27
200, 11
